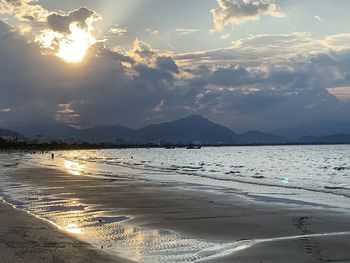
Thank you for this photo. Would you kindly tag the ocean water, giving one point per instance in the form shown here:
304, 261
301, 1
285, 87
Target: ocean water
312, 175
323, 169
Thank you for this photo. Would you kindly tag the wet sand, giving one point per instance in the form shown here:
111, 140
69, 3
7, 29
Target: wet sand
311, 250
224, 217
25, 238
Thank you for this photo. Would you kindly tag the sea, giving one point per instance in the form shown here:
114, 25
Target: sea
290, 175
323, 169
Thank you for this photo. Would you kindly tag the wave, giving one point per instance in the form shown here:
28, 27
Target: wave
330, 178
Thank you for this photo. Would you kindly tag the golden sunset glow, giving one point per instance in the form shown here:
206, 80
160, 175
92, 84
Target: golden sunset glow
73, 168
73, 47
73, 229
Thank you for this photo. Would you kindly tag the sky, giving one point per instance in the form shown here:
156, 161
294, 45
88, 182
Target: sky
247, 64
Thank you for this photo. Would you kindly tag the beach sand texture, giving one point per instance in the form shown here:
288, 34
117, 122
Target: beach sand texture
221, 218
25, 238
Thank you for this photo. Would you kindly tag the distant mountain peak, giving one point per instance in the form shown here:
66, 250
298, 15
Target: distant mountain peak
5, 133
195, 116
193, 128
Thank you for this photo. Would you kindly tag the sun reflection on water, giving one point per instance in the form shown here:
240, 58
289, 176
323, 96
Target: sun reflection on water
73, 228
103, 226
73, 168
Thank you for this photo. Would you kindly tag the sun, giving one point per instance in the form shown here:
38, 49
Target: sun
71, 47
74, 47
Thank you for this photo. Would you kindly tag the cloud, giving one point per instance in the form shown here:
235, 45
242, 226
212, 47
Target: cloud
143, 53
267, 49
24, 28
70, 35
185, 31
83, 17
109, 87
259, 82
167, 64
5, 28
117, 31
152, 32
337, 42
257, 87
341, 93
318, 18
24, 10
236, 12
226, 36
5, 110
143, 86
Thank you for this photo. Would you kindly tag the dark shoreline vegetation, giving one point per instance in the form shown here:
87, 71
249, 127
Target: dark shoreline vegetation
24, 146
189, 132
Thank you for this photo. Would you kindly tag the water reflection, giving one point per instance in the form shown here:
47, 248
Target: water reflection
73, 229
73, 168
106, 228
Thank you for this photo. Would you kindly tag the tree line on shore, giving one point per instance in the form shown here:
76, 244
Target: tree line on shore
6, 145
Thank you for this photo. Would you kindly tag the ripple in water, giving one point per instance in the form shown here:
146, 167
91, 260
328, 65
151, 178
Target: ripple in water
108, 229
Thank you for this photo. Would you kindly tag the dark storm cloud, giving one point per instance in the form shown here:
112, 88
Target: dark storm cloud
167, 63
101, 90
234, 76
61, 23
281, 94
141, 86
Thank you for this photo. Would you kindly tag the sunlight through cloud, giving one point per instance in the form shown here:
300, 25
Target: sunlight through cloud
71, 47
74, 47
72, 44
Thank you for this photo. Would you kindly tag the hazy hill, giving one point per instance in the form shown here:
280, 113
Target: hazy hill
191, 129
187, 130
107, 134
8, 134
48, 127
256, 137
314, 129
334, 138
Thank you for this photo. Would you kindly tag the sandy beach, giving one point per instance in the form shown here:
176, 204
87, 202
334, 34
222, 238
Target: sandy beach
25, 238
225, 218
168, 131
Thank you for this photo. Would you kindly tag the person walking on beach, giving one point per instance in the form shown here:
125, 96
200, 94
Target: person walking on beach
52, 156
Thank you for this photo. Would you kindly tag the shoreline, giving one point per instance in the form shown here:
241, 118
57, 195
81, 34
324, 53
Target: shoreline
26, 238
215, 218
86, 146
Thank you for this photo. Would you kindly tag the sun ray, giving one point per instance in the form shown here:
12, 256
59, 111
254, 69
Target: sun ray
72, 47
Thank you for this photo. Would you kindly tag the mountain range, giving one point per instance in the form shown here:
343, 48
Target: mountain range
8, 134
193, 129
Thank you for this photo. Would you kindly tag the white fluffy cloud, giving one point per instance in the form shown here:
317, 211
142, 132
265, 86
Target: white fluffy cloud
185, 31
236, 12
268, 49
117, 31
